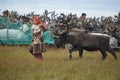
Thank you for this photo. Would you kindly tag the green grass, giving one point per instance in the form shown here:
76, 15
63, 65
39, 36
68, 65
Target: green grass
16, 63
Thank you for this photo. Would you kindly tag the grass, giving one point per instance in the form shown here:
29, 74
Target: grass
16, 63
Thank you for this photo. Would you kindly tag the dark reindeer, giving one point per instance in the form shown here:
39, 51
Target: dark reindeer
82, 40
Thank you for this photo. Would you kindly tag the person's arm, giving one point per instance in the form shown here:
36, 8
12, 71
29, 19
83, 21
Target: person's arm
42, 24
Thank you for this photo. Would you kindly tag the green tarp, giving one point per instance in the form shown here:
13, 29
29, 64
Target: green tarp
48, 38
19, 33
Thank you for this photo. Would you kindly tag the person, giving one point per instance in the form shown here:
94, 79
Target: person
37, 46
82, 20
4, 19
5, 13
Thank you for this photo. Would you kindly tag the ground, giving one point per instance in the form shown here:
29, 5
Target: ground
16, 63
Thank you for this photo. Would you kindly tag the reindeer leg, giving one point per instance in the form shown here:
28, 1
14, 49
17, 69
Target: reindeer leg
80, 53
104, 55
70, 51
112, 52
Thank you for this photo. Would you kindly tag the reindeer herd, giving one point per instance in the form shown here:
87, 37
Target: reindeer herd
57, 22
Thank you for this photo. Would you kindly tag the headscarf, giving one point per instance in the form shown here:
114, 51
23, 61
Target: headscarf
37, 18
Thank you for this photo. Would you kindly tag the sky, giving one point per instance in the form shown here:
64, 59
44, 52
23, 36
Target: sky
92, 8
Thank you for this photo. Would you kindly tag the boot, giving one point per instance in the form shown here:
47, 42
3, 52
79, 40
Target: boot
39, 56
35, 55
